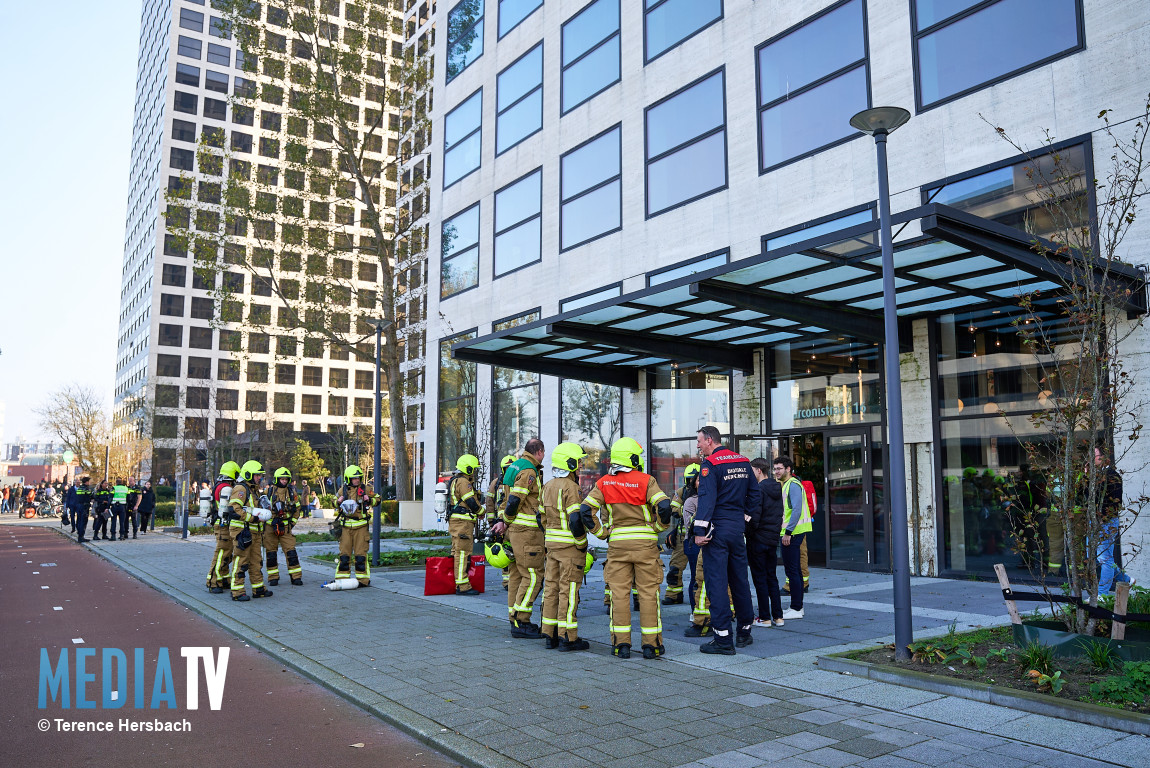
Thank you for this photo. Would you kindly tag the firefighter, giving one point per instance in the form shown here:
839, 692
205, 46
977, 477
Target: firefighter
278, 533
633, 510
355, 502
566, 552
674, 580
525, 534
462, 511
246, 520
218, 578
496, 501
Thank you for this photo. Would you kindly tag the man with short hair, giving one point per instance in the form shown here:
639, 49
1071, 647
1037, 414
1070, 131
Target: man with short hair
796, 526
727, 493
1110, 509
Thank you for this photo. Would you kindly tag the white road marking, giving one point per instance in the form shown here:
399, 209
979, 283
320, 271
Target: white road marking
44, 587
57, 607
77, 641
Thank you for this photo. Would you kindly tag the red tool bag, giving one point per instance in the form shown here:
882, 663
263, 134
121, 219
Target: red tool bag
439, 577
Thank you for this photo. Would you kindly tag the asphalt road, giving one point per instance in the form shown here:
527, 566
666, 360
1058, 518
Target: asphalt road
56, 595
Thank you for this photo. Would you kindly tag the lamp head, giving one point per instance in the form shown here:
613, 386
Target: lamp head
880, 120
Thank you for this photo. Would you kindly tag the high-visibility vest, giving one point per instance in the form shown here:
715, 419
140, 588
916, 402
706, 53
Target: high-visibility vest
804, 524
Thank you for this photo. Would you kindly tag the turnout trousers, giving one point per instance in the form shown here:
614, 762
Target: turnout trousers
725, 567
635, 564
272, 545
218, 571
676, 570
562, 579
462, 531
353, 543
248, 562
526, 572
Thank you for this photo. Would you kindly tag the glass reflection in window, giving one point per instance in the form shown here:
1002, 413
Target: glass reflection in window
464, 36
686, 145
825, 383
591, 56
669, 22
460, 252
591, 190
682, 402
519, 100
517, 223
462, 137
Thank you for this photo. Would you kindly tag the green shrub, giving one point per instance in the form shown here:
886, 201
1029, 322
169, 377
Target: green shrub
1102, 655
1130, 687
164, 492
1036, 656
327, 501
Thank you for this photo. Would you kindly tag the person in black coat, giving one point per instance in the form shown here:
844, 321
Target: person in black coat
147, 506
763, 527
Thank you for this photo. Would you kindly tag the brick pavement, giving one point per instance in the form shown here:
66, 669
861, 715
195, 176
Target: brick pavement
447, 670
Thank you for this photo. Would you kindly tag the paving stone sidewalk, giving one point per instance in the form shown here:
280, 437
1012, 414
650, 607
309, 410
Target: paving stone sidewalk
446, 669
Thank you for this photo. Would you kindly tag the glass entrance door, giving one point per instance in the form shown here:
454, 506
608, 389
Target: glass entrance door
850, 525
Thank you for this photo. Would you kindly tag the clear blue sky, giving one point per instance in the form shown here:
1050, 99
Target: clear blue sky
69, 71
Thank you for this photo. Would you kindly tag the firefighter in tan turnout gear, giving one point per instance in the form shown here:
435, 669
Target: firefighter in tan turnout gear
619, 509
525, 534
496, 501
218, 571
246, 520
355, 502
566, 552
462, 511
679, 562
278, 531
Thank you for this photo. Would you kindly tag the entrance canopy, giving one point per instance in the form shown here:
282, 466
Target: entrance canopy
826, 288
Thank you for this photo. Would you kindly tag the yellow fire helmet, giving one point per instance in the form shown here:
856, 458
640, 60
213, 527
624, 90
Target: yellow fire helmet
282, 472
626, 452
691, 472
352, 472
506, 462
589, 563
467, 464
250, 469
498, 555
567, 456
230, 469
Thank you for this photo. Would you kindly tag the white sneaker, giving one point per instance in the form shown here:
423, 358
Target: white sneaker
762, 622
778, 622
791, 613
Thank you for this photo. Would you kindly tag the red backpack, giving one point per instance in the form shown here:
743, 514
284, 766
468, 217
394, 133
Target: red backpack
812, 499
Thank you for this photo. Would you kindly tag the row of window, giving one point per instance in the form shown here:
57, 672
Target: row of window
164, 426
191, 48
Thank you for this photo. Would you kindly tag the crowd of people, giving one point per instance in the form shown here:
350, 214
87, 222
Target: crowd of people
110, 506
18, 497
728, 519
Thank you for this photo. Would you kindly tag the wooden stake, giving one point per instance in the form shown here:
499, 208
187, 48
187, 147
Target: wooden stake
1004, 582
1121, 597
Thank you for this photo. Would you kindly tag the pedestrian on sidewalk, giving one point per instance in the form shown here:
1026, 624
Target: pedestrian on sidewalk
81, 502
763, 533
147, 506
102, 499
727, 493
4, 508
796, 526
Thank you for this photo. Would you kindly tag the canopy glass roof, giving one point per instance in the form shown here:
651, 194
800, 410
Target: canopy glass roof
828, 287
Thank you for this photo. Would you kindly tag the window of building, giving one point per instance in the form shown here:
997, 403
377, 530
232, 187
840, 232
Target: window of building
518, 223
460, 249
229, 340
257, 372
285, 374
462, 137
816, 384
218, 28
189, 47
182, 159
244, 88
168, 365
592, 416
212, 136
961, 46
310, 405
164, 427
241, 142
337, 378
363, 407
284, 402
666, 23
687, 145
171, 335
218, 54
182, 130
591, 54
200, 338
512, 12
174, 246
336, 406
186, 74
216, 81
167, 396
591, 190
364, 380
519, 100
214, 109
227, 399
312, 376
197, 397
174, 274
227, 370
681, 402
185, 102
812, 80
226, 427
256, 402
456, 422
242, 115
172, 305
199, 367
464, 36
195, 427
193, 20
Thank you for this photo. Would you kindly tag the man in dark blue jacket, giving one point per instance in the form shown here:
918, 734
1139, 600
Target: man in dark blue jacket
728, 494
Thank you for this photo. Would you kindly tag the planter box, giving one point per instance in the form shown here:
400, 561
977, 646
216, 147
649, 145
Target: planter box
1070, 645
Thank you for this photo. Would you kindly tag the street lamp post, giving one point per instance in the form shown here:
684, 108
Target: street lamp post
879, 122
377, 514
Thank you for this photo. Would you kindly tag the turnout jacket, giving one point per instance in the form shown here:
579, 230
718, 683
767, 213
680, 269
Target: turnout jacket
622, 508
727, 492
462, 501
364, 500
522, 479
560, 499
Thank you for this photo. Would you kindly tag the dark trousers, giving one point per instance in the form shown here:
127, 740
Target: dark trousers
101, 524
725, 567
793, 568
126, 515
764, 562
80, 518
691, 550
144, 521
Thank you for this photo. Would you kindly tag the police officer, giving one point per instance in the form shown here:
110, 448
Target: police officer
619, 509
676, 543
462, 511
102, 498
246, 520
81, 501
566, 552
218, 571
727, 492
278, 532
525, 532
496, 501
120, 509
355, 516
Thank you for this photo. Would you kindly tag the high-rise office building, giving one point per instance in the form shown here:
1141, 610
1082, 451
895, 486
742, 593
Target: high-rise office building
195, 375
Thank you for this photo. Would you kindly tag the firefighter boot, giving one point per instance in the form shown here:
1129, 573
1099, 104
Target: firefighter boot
653, 651
622, 650
273, 568
573, 645
261, 592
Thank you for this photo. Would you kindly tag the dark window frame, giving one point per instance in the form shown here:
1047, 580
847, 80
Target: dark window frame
647, 59
680, 264
598, 185
539, 88
761, 108
447, 74
564, 67
446, 149
916, 34
499, 19
497, 232
453, 256
647, 159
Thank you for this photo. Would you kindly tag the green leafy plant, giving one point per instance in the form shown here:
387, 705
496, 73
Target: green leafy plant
999, 654
963, 655
1052, 682
926, 652
1131, 687
1101, 655
1036, 657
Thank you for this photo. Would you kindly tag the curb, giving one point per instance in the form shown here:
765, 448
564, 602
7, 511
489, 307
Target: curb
450, 743
1025, 701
